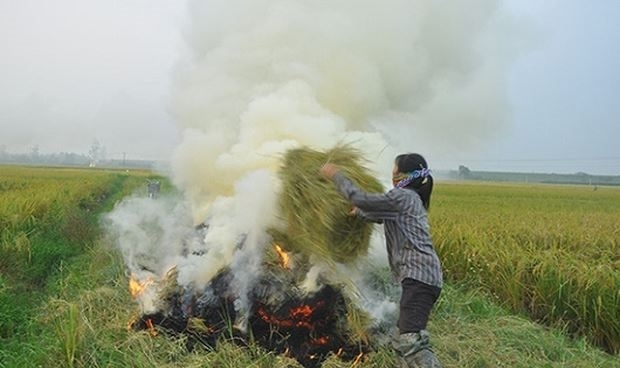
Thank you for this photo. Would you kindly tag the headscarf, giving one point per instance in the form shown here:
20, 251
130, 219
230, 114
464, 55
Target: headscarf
401, 180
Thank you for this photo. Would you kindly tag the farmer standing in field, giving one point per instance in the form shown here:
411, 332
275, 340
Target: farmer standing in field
412, 258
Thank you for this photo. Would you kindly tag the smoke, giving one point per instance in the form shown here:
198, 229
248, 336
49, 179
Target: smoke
151, 236
264, 76
268, 75
150, 233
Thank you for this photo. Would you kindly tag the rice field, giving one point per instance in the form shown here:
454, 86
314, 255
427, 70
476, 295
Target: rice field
512, 254
46, 218
548, 251
34, 201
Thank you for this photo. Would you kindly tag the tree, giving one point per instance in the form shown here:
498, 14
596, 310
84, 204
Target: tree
34, 153
464, 172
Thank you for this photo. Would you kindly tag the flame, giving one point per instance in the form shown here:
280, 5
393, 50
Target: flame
323, 340
285, 259
297, 317
301, 312
149, 324
136, 287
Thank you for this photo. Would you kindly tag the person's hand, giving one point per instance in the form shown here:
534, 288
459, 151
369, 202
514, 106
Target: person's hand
353, 211
329, 170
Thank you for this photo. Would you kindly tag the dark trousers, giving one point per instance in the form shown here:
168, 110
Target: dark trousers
416, 302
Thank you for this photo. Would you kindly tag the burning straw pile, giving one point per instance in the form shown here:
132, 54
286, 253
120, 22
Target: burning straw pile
281, 318
315, 214
277, 314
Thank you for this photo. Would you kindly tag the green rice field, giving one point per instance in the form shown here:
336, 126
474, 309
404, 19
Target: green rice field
532, 271
548, 251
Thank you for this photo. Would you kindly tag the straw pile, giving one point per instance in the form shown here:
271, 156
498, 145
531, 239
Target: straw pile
315, 213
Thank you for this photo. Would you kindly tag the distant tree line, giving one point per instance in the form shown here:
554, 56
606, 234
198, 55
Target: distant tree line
94, 158
34, 157
464, 173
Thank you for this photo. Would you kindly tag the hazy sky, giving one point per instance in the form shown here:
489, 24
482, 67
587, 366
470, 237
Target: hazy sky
72, 71
564, 92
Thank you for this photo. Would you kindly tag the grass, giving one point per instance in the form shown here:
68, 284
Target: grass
468, 330
550, 252
471, 331
76, 316
48, 219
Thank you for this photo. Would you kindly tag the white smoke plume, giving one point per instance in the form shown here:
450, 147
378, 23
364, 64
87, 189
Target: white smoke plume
267, 75
264, 76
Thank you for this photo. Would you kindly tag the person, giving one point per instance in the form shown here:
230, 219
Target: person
412, 258
153, 187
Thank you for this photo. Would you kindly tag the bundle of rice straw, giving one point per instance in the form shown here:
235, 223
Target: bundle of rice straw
315, 213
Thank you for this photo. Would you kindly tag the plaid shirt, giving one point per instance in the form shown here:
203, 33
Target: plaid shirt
407, 233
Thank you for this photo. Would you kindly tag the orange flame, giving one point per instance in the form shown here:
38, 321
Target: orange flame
285, 259
323, 340
152, 330
297, 317
301, 312
136, 287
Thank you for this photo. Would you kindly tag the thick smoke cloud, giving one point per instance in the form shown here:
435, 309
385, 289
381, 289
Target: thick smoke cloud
268, 75
264, 76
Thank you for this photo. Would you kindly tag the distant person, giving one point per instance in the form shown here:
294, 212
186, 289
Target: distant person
152, 187
412, 258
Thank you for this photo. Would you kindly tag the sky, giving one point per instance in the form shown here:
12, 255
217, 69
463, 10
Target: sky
76, 71
564, 92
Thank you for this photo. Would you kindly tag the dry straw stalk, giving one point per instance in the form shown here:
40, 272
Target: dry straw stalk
315, 214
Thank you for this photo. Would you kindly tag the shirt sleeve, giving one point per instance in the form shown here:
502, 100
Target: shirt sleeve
374, 206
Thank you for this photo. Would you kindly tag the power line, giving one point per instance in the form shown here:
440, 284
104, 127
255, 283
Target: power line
533, 159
